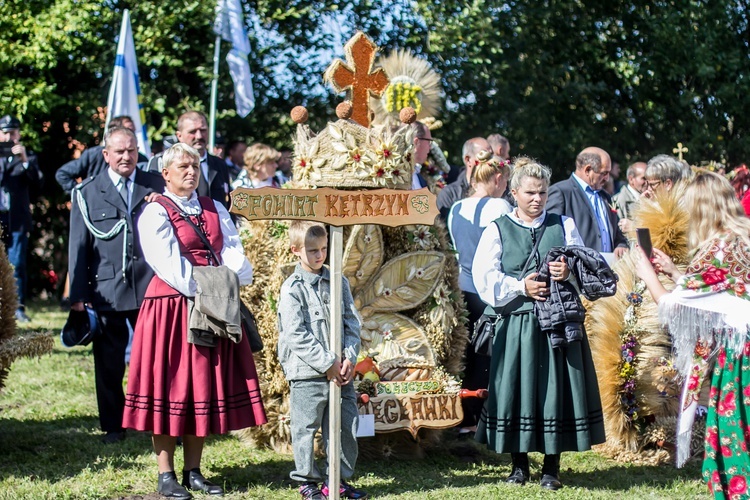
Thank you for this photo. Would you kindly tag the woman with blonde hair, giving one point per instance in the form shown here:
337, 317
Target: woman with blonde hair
261, 162
707, 317
466, 221
541, 398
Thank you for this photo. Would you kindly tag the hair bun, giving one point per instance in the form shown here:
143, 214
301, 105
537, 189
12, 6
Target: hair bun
484, 155
521, 161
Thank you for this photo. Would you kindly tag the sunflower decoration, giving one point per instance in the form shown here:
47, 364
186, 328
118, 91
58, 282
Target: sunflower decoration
414, 84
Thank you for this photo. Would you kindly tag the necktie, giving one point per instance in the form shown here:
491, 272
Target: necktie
203, 187
124, 191
601, 221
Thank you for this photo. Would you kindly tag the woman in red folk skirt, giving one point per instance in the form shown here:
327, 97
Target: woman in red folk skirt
175, 387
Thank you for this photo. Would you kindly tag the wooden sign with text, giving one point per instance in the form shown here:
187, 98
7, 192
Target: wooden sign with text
411, 412
337, 207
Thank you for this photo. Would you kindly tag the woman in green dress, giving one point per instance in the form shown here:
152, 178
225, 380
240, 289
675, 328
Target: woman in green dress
707, 316
541, 399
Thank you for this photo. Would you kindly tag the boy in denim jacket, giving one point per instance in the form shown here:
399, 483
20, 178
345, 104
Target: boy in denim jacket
309, 363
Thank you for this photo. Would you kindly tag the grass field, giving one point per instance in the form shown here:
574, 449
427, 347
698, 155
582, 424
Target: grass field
50, 448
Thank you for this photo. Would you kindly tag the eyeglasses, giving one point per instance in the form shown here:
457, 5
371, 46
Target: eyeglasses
425, 139
653, 184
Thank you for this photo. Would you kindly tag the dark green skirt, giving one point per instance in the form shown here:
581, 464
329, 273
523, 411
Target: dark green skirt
541, 399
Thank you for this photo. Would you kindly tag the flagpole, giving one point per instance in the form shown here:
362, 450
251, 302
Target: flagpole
214, 91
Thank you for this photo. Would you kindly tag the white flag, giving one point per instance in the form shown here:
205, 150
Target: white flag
125, 93
230, 26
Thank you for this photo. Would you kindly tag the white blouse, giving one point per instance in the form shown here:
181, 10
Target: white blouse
466, 227
162, 251
494, 286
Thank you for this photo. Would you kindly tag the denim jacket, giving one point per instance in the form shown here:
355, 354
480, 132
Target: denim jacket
304, 325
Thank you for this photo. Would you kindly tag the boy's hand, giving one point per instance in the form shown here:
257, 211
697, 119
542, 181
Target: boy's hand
334, 372
347, 372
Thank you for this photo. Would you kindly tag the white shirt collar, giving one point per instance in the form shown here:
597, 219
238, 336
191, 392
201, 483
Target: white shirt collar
188, 204
116, 178
535, 223
633, 191
583, 183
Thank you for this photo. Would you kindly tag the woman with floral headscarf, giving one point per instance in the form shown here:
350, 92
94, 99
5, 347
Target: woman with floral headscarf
707, 316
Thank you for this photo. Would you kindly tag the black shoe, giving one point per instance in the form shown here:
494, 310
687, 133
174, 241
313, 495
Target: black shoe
113, 437
311, 491
518, 476
520, 469
550, 482
551, 473
193, 480
346, 490
170, 488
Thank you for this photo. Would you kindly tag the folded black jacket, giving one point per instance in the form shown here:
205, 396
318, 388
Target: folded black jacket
561, 316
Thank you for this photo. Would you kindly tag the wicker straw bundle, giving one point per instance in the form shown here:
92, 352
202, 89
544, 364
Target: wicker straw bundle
13, 346
429, 328
631, 316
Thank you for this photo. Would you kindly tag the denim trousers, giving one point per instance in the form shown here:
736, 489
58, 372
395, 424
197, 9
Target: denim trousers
16, 246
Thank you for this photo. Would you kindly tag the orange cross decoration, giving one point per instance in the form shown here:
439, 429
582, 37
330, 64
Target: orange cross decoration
358, 76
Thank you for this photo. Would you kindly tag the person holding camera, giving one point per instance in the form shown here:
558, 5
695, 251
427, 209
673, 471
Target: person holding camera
19, 174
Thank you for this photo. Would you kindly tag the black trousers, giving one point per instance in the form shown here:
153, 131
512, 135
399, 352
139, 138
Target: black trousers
109, 366
477, 371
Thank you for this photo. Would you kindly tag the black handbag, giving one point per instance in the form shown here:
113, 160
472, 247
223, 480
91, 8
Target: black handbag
483, 335
484, 329
249, 326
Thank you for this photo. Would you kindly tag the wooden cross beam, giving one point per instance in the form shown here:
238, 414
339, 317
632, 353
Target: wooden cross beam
357, 75
679, 150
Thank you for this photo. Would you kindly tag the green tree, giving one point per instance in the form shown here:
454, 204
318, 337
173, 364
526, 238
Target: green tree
558, 75
57, 58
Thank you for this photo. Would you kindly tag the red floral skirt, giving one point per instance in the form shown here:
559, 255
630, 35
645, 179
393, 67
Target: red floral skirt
177, 388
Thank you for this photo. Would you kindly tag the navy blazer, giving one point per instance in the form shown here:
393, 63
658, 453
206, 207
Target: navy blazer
95, 265
218, 178
90, 163
567, 198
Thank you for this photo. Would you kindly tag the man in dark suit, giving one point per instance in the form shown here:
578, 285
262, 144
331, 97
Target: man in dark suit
106, 264
459, 189
192, 129
581, 197
91, 162
19, 174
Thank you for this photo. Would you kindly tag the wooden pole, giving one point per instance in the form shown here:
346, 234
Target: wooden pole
336, 252
214, 96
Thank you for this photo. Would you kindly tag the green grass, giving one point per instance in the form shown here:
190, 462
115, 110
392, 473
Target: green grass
50, 448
